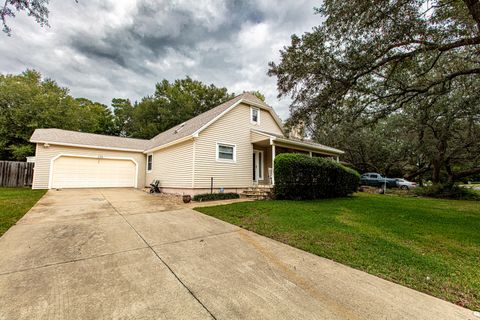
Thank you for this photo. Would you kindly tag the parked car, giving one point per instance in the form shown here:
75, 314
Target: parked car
405, 184
377, 180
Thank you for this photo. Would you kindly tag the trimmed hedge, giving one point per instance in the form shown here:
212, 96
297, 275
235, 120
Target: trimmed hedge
300, 177
215, 196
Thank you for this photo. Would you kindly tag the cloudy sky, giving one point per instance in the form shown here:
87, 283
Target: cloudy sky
121, 48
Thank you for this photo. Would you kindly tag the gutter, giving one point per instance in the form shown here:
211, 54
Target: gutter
85, 146
307, 146
171, 143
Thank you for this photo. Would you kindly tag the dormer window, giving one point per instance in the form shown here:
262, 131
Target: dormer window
254, 115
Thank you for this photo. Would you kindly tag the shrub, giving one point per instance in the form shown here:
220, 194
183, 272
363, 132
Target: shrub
215, 196
445, 191
299, 176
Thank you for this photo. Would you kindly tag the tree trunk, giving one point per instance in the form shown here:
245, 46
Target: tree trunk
436, 171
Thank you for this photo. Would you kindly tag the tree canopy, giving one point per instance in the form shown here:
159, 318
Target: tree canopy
170, 105
410, 65
27, 102
35, 8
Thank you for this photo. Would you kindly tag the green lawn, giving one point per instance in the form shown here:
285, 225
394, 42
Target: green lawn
427, 244
14, 203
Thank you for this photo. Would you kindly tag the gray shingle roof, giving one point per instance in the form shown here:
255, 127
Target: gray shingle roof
181, 131
191, 126
304, 141
87, 139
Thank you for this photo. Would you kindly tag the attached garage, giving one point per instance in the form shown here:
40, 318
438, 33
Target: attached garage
92, 172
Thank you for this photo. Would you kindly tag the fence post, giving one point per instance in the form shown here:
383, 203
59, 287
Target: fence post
15, 173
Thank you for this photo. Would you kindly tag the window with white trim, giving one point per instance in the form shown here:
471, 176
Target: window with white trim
254, 115
149, 162
226, 152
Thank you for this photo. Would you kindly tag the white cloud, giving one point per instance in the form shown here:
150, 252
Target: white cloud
121, 48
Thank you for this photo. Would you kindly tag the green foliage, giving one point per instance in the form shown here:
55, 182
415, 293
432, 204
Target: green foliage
215, 196
14, 203
33, 8
299, 176
258, 94
21, 151
123, 112
27, 102
446, 191
394, 83
430, 245
171, 104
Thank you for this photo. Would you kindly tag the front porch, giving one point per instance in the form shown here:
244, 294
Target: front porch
266, 146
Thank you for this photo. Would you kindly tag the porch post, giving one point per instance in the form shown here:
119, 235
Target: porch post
338, 159
273, 164
310, 154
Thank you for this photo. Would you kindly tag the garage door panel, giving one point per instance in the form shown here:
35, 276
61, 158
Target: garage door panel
79, 172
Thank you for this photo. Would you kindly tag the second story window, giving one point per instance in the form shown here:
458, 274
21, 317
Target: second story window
255, 115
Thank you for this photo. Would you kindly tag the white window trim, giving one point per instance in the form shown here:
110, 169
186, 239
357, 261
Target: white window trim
148, 155
262, 164
228, 145
258, 115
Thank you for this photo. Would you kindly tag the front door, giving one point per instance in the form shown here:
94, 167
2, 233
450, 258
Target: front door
257, 166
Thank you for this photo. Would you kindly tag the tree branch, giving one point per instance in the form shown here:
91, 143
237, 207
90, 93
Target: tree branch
474, 10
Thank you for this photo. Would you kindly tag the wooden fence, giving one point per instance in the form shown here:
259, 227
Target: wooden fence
16, 173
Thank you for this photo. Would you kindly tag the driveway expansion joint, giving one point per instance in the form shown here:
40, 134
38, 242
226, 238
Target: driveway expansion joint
195, 238
161, 260
72, 261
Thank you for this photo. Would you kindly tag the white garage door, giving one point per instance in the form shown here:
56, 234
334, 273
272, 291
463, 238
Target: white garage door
79, 172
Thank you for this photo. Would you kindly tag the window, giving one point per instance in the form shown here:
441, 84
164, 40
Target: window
226, 152
255, 115
149, 162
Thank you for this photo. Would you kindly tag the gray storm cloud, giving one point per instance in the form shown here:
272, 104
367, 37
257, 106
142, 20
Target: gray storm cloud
102, 50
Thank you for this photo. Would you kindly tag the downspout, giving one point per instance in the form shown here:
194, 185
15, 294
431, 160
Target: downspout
193, 162
273, 161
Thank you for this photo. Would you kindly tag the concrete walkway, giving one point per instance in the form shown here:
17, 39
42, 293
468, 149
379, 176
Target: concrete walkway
124, 254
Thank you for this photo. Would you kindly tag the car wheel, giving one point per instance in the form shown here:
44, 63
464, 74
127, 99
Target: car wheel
404, 187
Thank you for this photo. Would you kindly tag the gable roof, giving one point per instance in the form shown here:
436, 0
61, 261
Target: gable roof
195, 125
186, 130
82, 139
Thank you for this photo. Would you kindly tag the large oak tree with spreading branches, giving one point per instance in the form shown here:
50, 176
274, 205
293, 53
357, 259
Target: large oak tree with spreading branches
372, 60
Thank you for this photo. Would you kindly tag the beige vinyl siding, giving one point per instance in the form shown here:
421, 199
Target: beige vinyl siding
43, 157
256, 137
173, 166
267, 123
232, 128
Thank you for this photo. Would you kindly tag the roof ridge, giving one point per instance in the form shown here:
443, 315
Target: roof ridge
96, 134
189, 127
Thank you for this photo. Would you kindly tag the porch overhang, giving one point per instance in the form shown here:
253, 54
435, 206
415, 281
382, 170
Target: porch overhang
267, 138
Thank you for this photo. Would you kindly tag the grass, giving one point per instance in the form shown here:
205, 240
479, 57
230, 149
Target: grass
429, 245
14, 203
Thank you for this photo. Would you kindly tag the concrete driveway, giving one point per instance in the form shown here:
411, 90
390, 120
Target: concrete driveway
121, 253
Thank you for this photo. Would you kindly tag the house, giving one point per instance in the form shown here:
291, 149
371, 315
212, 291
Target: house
231, 146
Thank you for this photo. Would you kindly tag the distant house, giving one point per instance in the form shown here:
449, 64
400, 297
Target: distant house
232, 145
